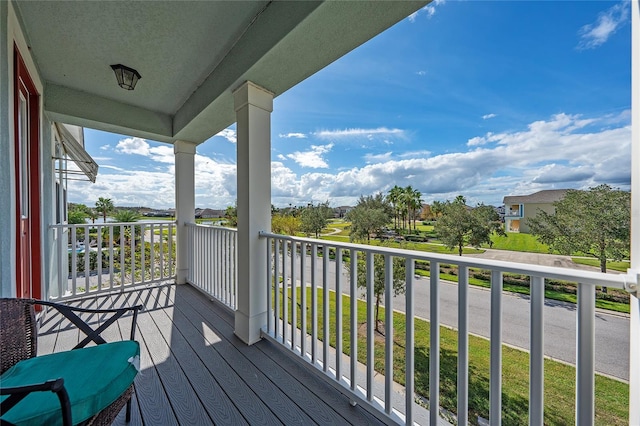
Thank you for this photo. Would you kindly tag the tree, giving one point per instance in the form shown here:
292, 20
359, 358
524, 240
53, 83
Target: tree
460, 226
414, 199
489, 221
286, 224
313, 219
405, 203
394, 196
398, 279
75, 217
594, 222
231, 215
436, 209
93, 215
104, 206
369, 216
123, 216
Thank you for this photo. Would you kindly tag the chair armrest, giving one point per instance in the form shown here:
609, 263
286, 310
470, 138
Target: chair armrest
69, 312
18, 393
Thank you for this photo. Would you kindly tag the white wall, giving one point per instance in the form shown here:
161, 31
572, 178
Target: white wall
7, 230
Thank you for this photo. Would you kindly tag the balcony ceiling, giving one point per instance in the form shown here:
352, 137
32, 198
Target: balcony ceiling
191, 55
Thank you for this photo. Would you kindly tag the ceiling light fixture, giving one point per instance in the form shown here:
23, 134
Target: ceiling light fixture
127, 77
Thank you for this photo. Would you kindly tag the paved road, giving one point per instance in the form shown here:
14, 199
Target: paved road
611, 331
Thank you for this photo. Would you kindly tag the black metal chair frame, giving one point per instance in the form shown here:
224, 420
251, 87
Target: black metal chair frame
16, 394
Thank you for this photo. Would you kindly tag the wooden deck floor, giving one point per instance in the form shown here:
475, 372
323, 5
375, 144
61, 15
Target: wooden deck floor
196, 372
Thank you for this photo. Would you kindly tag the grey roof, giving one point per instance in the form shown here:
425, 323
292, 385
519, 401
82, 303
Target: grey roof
546, 196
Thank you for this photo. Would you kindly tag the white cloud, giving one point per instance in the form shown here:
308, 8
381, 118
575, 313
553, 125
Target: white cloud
105, 147
312, 158
557, 173
559, 152
488, 116
161, 153
281, 157
376, 158
429, 9
133, 146
357, 133
228, 134
293, 135
421, 73
483, 140
477, 140
106, 166
597, 33
563, 151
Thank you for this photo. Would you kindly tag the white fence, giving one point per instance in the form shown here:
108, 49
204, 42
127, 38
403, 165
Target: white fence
297, 265
103, 257
212, 261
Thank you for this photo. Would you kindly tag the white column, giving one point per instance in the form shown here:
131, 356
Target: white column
185, 204
253, 106
634, 337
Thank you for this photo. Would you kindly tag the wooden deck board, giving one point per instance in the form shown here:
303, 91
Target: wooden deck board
279, 402
212, 396
196, 371
185, 403
325, 405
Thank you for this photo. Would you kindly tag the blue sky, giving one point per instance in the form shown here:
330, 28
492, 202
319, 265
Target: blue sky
483, 99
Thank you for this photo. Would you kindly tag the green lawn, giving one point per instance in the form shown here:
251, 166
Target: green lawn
518, 242
426, 247
424, 228
343, 226
157, 218
611, 405
337, 238
614, 266
515, 242
549, 293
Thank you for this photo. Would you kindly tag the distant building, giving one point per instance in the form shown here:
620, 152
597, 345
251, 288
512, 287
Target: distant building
340, 212
519, 208
158, 213
209, 214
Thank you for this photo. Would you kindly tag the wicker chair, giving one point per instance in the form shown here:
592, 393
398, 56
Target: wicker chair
18, 341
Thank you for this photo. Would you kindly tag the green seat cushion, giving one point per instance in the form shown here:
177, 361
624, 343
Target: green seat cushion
94, 377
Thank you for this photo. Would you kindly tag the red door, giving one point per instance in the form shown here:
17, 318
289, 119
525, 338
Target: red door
27, 168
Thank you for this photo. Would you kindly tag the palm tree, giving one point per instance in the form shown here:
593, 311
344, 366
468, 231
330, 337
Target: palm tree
123, 216
93, 215
407, 206
394, 196
415, 202
437, 208
104, 206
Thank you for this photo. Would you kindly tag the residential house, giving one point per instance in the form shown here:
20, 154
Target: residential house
200, 67
209, 214
519, 208
341, 212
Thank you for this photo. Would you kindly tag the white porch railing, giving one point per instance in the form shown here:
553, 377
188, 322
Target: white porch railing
212, 261
103, 257
296, 265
